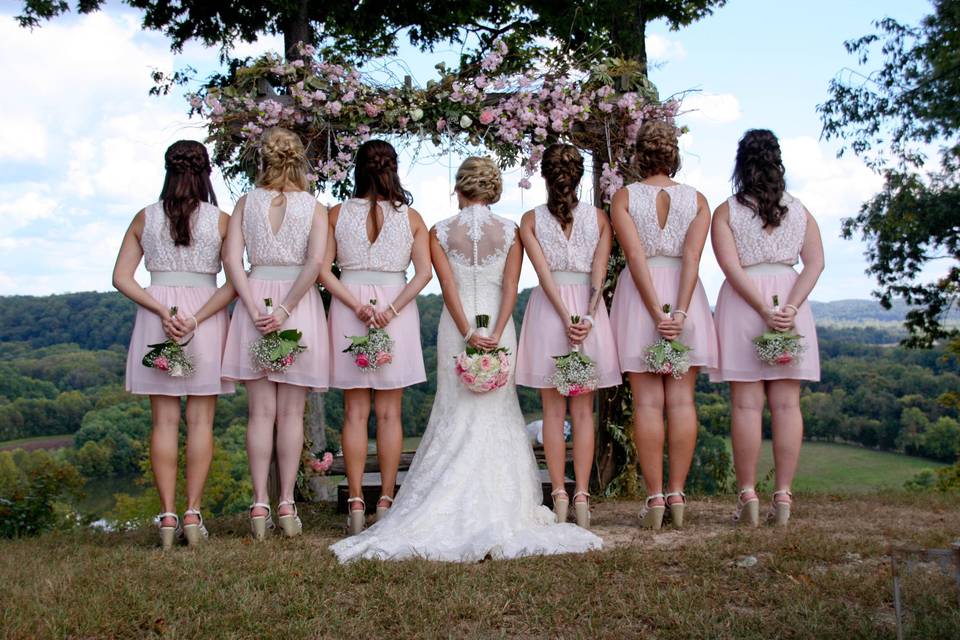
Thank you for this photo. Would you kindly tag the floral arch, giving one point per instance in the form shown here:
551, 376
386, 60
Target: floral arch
509, 104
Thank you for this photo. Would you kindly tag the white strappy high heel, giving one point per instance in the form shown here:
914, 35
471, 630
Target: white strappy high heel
561, 502
356, 517
582, 509
651, 516
779, 511
168, 534
382, 511
194, 533
290, 523
748, 511
676, 508
260, 524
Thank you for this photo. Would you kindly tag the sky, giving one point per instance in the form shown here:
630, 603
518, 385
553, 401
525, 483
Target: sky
82, 142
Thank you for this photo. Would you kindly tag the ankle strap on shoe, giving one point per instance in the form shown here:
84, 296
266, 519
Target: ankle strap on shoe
168, 514
194, 512
581, 493
262, 505
653, 497
560, 492
387, 498
674, 494
782, 492
360, 500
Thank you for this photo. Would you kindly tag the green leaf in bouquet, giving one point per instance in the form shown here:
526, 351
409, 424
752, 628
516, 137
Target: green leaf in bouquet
678, 346
292, 335
483, 321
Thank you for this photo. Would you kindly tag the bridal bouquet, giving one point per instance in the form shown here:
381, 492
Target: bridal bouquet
169, 356
482, 370
668, 357
373, 350
576, 373
278, 350
779, 348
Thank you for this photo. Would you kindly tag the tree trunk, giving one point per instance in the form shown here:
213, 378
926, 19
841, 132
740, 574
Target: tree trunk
297, 28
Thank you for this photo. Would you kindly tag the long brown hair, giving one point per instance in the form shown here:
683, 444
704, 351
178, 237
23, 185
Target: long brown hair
375, 177
758, 176
562, 168
185, 186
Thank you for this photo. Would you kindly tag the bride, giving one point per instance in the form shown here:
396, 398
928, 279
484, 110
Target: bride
472, 490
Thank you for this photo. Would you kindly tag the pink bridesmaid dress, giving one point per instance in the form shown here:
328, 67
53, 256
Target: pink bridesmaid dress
375, 271
184, 277
633, 326
275, 262
768, 259
543, 333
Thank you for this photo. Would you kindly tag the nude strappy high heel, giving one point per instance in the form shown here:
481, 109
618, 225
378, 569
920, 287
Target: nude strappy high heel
561, 502
382, 511
582, 509
676, 508
260, 524
355, 517
748, 511
194, 533
780, 509
290, 523
168, 534
651, 516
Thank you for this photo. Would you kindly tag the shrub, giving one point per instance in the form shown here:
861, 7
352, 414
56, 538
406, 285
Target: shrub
31, 484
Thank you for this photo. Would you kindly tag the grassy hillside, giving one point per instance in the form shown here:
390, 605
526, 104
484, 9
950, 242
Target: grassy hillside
826, 576
846, 469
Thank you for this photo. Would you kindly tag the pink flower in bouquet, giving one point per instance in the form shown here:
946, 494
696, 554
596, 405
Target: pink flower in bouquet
575, 390
462, 362
468, 378
384, 357
287, 360
489, 385
667, 367
161, 363
486, 362
362, 360
504, 359
502, 378
784, 358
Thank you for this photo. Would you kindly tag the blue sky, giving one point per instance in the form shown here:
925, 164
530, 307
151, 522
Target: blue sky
81, 147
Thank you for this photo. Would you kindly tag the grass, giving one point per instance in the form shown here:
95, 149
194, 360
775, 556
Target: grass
40, 442
839, 468
825, 576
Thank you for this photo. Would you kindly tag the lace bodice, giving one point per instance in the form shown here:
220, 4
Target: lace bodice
477, 243
203, 253
575, 253
389, 252
669, 240
286, 247
755, 245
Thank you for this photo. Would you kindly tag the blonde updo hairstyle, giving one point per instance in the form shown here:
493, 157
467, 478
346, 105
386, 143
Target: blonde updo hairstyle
658, 151
479, 179
283, 161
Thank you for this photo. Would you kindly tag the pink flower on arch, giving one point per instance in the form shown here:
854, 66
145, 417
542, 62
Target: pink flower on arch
486, 117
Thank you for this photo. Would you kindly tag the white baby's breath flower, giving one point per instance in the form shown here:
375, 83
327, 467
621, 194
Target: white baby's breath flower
465, 121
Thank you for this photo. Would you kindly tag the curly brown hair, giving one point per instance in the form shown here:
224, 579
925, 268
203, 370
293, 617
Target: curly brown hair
758, 176
479, 179
185, 186
562, 169
657, 149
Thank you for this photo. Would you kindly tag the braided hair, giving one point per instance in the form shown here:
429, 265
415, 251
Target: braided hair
185, 186
375, 177
283, 161
562, 169
758, 176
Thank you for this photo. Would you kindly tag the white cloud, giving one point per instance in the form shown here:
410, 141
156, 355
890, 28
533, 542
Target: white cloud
711, 108
662, 49
23, 139
24, 204
827, 185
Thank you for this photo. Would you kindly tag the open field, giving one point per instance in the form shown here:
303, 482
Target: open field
826, 576
42, 442
839, 468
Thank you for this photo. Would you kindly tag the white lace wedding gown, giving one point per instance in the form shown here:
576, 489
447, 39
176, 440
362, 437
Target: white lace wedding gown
472, 490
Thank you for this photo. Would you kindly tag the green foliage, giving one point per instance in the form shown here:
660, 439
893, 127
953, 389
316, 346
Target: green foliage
31, 485
891, 117
89, 320
122, 430
946, 479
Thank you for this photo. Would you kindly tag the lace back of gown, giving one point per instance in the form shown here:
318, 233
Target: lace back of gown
473, 489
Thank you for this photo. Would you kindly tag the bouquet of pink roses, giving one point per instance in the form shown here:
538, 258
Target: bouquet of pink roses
320, 465
482, 370
169, 356
668, 357
576, 373
373, 350
278, 350
779, 348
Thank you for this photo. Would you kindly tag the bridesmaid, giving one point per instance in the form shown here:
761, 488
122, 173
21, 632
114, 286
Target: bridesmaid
758, 235
283, 229
179, 239
373, 237
662, 226
569, 243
